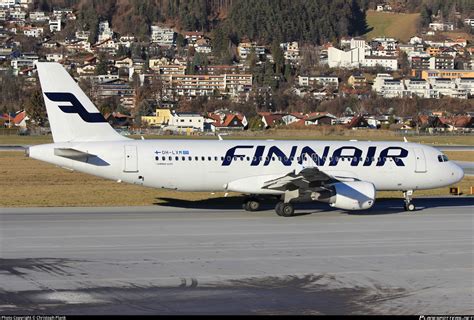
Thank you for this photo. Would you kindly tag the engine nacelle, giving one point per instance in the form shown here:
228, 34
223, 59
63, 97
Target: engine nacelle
353, 195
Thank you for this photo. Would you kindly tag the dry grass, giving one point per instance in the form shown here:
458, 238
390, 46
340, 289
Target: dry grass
26, 182
460, 155
397, 25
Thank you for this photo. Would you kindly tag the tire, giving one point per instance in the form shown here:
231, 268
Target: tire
287, 210
410, 207
253, 205
278, 208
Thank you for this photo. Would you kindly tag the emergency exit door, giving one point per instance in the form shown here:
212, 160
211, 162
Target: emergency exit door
131, 159
420, 164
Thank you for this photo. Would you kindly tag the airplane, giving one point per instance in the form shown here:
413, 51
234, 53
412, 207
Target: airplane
343, 174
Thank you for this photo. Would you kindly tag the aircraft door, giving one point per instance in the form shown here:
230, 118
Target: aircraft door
131, 159
420, 164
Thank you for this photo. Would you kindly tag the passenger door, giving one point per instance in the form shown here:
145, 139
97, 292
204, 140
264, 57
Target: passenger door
131, 159
420, 161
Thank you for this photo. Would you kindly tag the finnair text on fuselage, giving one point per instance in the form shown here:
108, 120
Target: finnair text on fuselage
261, 155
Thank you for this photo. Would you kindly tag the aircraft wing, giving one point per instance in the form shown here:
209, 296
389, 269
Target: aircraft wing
305, 179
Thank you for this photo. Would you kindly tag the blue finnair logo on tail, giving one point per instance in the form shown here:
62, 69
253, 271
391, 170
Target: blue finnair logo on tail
75, 107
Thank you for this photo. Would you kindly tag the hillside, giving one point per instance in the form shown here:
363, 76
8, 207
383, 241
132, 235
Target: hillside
397, 25
264, 21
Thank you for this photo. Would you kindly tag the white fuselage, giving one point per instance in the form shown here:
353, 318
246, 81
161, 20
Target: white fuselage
244, 165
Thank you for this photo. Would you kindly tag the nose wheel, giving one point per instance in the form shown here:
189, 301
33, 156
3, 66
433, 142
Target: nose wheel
408, 195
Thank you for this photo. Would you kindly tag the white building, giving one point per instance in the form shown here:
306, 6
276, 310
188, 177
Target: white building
291, 50
245, 48
54, 57
55, 25
389, 63
8, 3
105, 32
38, 16
163, 36
82, 35
469, 22
416, 40
352, 58
439, 26
465, 84
35, 32
305, 81
182, 120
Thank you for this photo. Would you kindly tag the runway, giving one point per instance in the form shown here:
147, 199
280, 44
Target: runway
183, 259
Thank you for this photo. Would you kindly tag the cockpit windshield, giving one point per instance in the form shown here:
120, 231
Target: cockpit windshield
443, 158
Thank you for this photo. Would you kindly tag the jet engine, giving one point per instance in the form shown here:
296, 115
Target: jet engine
353, 195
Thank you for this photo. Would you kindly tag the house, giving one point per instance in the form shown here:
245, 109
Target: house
431, 123
440, 26
105, 32
306, 81
162, 117
357, 81
358, 122
21, 119
270, 120
55, 25
163, 36
292, 118
245, 48
35, 32
186, 120
226, 121
389, 63
54, 57
320, 118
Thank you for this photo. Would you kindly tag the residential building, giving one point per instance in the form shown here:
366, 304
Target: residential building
82, 35
54, 57
38, 16
117, 88
105, 32
444, 62
357, 81
311, 81
207, 85
7, 3
450, 74
352, 58
469, 22
4, 15
291, 51
35, 32
162, 117
245, 48
163, 36
167, 68
389, 63
440, 26
188, 121
55, 25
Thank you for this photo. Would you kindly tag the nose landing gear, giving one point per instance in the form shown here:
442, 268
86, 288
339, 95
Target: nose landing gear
408, 195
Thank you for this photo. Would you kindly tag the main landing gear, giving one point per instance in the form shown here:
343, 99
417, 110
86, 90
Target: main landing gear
408, 195
251, 204
284, 209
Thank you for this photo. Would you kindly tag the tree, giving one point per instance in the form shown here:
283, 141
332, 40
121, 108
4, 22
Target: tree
278, 57
35, 108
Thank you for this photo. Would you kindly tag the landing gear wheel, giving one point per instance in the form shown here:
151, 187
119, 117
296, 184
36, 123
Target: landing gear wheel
408, 195
285, 209
278, 208
251, 204
410, 207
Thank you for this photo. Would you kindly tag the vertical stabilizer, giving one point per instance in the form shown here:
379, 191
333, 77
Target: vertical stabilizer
72, 115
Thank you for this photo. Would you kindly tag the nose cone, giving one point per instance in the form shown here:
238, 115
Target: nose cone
457, 173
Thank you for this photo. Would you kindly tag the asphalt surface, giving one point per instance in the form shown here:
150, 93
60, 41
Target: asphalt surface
179, 258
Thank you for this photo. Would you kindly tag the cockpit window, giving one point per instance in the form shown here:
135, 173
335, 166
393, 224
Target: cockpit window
443, 158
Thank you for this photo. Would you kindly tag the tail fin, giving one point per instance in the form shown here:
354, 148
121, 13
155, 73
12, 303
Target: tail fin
72, 115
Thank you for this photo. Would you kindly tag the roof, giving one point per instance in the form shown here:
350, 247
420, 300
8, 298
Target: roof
19, 117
